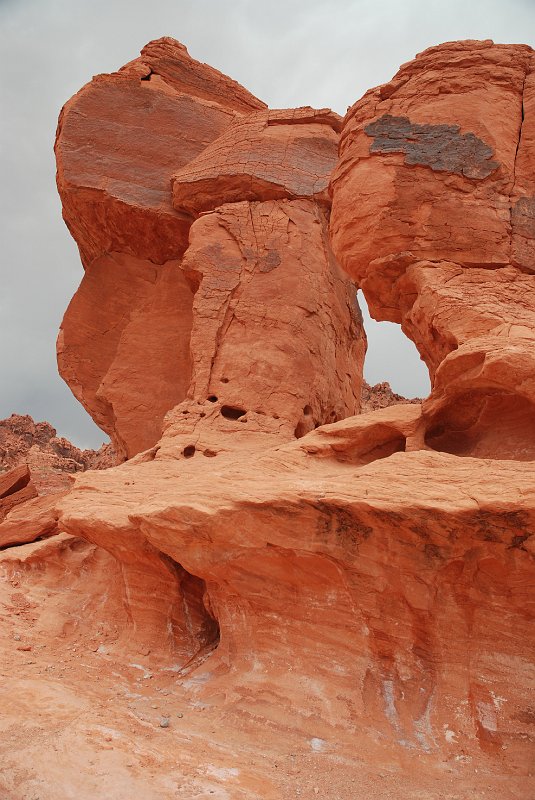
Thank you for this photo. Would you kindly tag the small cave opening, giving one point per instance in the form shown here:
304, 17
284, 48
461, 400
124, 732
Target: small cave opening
485, 424
377, 441
391, 356
201, 617
189, 451
195, 622
305, 424
232, 412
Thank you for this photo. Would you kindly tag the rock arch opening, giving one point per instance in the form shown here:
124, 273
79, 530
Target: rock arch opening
392, 357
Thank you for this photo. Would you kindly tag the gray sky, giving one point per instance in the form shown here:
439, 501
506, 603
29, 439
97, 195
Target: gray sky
287, 52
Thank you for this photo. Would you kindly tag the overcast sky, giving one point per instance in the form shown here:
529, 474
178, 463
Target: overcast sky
287, 52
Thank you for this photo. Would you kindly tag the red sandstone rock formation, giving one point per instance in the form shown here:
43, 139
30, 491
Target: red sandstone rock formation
394, 636
152, 325
431, 215
348, 604
119, 141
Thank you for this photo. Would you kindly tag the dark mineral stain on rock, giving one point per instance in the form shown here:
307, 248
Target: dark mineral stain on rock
441, 147
270, 261
523, 217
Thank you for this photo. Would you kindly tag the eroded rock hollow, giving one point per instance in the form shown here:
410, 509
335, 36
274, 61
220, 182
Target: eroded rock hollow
347, 596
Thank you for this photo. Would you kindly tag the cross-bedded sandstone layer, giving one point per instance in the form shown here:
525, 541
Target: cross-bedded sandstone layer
343, 600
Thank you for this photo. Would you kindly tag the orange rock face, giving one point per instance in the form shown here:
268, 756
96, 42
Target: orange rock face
344, 598
156, 320
394, 638
431, 210
15, 488
119, 141
269, 155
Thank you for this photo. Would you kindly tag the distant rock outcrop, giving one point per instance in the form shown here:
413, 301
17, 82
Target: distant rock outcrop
51, 459
380, 395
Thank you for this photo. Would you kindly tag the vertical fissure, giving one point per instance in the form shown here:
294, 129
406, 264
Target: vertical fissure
513, 185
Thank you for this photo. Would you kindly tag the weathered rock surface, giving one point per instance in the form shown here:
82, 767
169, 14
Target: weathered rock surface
407, 625
15, 487
121, 138
119, 141
30, 519
127, 359
431, 215
271, 302
341, 609
269, 155
148, 323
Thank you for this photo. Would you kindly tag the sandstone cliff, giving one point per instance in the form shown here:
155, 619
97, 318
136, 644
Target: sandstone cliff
276, 596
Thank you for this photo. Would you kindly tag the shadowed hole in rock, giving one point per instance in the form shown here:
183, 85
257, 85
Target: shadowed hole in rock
212, 398
306, 423
391, 356
378, 441
232, 412
202, 625
189, 451
491, 424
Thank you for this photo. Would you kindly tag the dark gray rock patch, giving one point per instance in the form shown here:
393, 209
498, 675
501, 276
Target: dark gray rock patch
441, 147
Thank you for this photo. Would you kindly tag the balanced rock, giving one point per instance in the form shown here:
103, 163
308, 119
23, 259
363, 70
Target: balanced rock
165, 314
